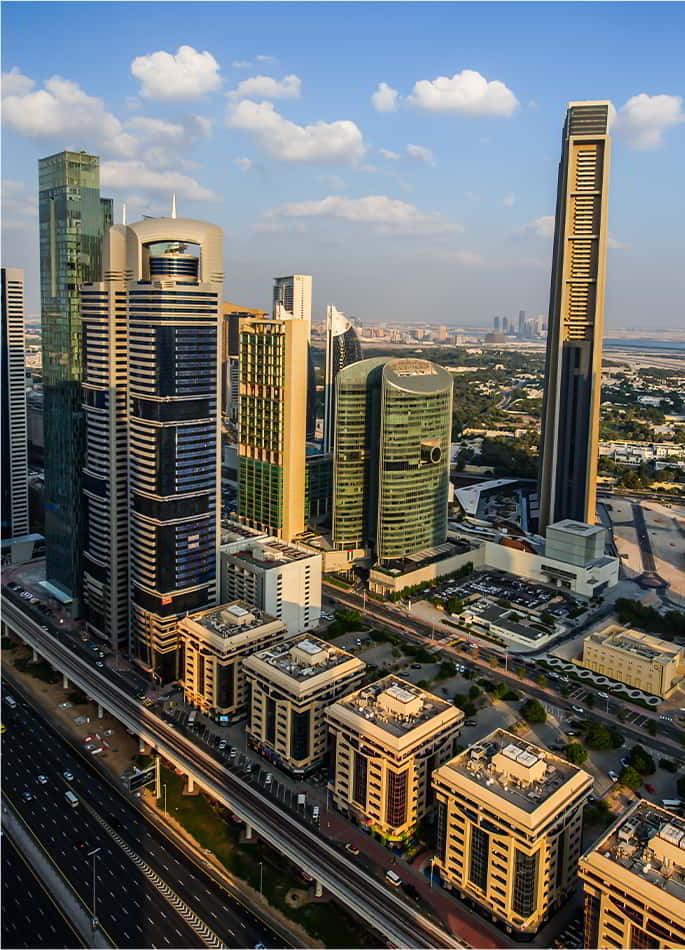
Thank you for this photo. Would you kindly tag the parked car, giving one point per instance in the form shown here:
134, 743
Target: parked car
351, 849
68, 776
612, 775
625, 763
603, 695
578, 709
269, 778
43, 779
471, 722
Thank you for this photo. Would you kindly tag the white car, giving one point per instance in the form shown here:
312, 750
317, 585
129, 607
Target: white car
68, 776
43, 780
578, 709
613, 776
603, 695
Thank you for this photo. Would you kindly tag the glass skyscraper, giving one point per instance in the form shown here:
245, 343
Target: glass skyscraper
73, 219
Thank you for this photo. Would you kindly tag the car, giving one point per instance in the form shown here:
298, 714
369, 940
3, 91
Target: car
95, 647
99, 663
650, 788
416, 666
612, 775
233, 753
471, 722
570, 732
666, 718
625, 763
260, 946
603, 695
269, 778
248, 768
306, 877
553, 676
68, 776
578, 709
222, 745
27, 796
79, 844
351, 849
43, 779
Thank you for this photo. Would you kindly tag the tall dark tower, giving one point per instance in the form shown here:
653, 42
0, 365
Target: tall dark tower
342, 349
570, 419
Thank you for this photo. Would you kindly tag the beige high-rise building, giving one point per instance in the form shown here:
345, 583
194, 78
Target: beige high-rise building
633, 879
510, 821
570, 419
291, 685
293, 298
272, 425
386, 740
215, 644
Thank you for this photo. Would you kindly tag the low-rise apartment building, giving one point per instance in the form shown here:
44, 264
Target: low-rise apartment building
215, 643
510, 817
385, 740
634, 881
290, 686
635, 658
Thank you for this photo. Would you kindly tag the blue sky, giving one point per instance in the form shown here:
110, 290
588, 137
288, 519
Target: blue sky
323, 139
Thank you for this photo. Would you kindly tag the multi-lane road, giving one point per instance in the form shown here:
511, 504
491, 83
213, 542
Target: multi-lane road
147, 891
363, 893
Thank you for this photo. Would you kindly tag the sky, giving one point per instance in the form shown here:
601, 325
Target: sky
403, 154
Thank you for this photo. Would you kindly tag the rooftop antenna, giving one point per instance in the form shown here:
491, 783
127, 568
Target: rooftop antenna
123, 214
173, 205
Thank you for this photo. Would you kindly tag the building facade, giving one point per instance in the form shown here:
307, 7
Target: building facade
230, 356
575, 543
278, 578
272, 425
215, 643
385, 741
633, 881
570, 416
635, 658
342, 349
15, 470
154, 330
73, 221
292, 300
290, 686
509, 829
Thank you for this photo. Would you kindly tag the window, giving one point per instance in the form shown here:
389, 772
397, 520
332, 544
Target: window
480, 848
396, 807
525, 883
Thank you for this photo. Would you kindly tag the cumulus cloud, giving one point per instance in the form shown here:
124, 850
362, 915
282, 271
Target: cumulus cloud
384, 213
384, 98
420, 154
19, 206
644, 119
339, 141
14, 83
186, 74
61, 109
122, 175
509, 200
392, 156
466, 93
266, 87
244, 164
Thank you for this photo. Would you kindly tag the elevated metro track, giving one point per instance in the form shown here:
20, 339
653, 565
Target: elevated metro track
373, 902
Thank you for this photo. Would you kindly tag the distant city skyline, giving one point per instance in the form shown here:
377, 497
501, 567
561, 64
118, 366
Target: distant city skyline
430, 177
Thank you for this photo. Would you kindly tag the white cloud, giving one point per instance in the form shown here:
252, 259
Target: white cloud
615, 243
266, 87
187, 74
261, 58
466, 93
14, 83
420, 154
385, 213
464, 258
334, 182
509, 200
644, 119
541, 227
134, 174
386, 153
285, 140
19, 207
241, 64
62, 109
244, 164
384, 98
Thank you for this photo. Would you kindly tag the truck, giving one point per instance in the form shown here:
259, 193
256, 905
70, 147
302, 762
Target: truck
71, 799
301, 800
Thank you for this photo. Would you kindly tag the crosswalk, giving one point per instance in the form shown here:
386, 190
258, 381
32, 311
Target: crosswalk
205, 933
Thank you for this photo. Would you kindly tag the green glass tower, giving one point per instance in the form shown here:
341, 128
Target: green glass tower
73, 220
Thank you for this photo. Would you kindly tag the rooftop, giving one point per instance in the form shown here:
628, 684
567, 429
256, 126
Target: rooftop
304, 657
577, 527
394, 705
270, 554
649, 842
228, 620
636, 642
523, 775
422, 558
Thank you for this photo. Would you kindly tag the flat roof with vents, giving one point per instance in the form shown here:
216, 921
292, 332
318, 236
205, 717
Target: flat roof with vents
302, 658
394, 705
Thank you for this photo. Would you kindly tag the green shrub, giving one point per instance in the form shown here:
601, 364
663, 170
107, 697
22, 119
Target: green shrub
631, 778
642, 761
533, 711
576, 753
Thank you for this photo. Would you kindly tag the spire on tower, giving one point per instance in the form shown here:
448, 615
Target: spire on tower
123, 214
173, 205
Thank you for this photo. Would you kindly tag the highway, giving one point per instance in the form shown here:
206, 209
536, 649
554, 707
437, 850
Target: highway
364, 894
29, 916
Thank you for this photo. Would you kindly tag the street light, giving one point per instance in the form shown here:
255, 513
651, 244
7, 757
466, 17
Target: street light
91, 854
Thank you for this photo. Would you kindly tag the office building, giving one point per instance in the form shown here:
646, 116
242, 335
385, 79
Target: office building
318, 485
279, 579
290, 686
522, 322
292, 300
391, 457
272, 426
441, 333
496, 324
633, 880
570, 417
386, 740
575, 543
15, 469
73, 220
234, 315
342, 349
509, 829
151, 388
215, 643
637, 659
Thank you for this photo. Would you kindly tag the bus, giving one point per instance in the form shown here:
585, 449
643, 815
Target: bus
191, 718
672, 802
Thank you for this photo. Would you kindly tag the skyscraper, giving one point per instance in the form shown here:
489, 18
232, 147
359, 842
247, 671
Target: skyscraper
391, 457
522, 322
73, 219
342, 349
496, 324
230, 356
15, 474
153, 341
272, 425
570, 419
292, 299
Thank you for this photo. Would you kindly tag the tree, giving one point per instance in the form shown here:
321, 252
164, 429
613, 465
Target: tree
455, 605
447, 669
642, 761
533, 711
541, 679
598, 736
631, 778
576, 753
474, 691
